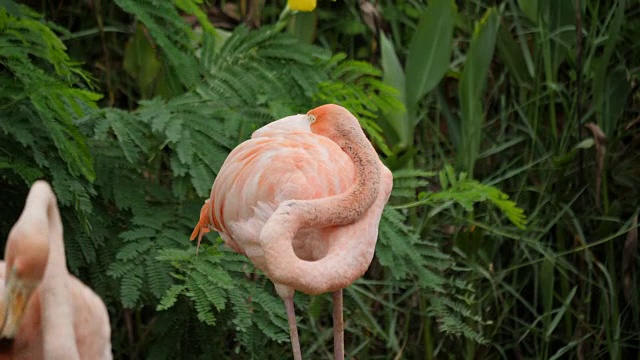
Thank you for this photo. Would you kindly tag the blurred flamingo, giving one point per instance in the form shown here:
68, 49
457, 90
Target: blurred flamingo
46, 313
302, 199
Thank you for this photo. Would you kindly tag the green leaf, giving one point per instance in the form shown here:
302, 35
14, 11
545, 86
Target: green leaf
530, 9
394, 77
600, 78
131, 286
614, 99
511, 54
566, 304
171, 33
472, 83
430, 49
140, 61
170, 297
466, 193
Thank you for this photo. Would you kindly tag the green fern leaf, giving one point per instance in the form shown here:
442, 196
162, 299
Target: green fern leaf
131, 287
170, 297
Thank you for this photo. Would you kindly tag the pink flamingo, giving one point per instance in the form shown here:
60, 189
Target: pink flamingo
302, 199
46, 312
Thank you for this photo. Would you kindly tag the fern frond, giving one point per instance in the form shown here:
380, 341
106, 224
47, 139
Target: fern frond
131, 285
170, 297
467, 192
202, 304
457, 321
212, 293
407, 256
158, 277
241, 308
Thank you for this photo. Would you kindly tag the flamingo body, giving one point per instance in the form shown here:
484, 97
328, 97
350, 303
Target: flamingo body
90, 322
302, 199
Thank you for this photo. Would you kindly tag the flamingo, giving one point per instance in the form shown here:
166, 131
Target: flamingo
302, 199
47, 313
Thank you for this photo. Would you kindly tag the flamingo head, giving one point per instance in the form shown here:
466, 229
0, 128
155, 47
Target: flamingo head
329, 119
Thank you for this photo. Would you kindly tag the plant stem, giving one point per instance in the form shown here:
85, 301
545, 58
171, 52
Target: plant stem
427, 338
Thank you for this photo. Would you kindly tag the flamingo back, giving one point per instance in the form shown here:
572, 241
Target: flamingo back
282, 161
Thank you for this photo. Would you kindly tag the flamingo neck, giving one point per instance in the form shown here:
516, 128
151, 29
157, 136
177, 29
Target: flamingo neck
348, 207
332, 272
55, 294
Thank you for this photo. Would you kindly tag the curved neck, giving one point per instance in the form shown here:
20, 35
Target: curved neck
55, 298
341, 266
348, 207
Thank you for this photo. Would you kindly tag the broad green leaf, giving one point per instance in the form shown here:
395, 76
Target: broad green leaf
563, 22
394, 77
562, 36
140, 61
615, 94
511, 54
530, 9
472, 83
600, 79
430, 49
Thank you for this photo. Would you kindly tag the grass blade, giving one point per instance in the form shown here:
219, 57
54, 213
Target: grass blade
561, 312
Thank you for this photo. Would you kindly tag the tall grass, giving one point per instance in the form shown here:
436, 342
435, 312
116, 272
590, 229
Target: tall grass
563, 288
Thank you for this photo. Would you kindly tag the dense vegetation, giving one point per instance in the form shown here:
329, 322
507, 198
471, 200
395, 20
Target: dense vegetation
130, 107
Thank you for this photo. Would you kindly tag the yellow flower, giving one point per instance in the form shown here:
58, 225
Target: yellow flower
302, 5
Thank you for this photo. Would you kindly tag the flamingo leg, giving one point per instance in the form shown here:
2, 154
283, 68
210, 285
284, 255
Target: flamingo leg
338, 326
293, 328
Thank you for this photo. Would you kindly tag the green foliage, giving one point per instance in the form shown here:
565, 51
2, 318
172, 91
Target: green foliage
466, 192
394, 76
216, 280
430, 50
408, 257
173, 36
472, 83
42, 92
32, 92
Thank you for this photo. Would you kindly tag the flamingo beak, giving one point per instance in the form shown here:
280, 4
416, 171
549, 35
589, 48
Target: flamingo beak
12, 306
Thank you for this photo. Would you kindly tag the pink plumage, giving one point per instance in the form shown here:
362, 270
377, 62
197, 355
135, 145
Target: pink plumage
45, 311
302, 199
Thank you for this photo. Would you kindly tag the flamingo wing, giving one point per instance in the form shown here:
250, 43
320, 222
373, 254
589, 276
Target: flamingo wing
282, 161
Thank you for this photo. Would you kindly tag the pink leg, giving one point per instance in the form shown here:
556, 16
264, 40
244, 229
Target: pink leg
293, 328
338, 326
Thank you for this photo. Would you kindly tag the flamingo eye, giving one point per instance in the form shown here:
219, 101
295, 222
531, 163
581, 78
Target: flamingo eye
312, 118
